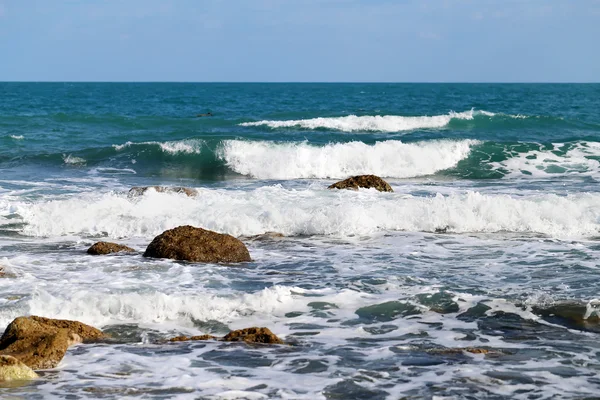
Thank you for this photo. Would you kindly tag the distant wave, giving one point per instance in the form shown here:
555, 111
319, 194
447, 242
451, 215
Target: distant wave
190, 146
377, 123
17, 137
391, 158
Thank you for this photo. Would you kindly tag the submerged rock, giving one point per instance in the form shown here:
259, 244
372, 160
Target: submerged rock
363, 181
187, 243
267, 236
253, 335
459, 350
101, 248
571, 314
12, 369
141, 190
41, 343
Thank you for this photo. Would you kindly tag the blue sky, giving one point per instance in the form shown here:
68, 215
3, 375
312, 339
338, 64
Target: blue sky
300, 40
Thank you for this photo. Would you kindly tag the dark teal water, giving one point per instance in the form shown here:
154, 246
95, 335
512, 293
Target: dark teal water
475, 279
86, 120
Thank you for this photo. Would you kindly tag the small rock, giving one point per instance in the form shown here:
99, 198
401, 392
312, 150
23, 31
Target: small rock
12, 369
141, 190
458, 350
101, 248
186, 339
267, 236
253, 335
41, 343
363, 181
187, 243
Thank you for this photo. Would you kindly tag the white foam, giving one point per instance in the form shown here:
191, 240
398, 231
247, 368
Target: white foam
17, 137
189, 146
545, 163
391, 158
377, 123
310, 212
73, 160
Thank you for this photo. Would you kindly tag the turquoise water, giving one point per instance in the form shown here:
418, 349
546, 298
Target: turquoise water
489, 240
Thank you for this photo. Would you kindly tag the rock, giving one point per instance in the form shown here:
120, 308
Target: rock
253, 335
363, 181
571, 314
141, 190
186, 339
459, 350
41, 343
100, 248
267, 236
188, 243
12, 369
5, 274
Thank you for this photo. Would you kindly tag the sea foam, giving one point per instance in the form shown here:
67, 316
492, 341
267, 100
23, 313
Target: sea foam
377, 123
391, 158
580, 159
311, 212
189, 146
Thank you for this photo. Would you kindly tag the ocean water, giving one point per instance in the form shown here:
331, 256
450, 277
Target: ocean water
490, 240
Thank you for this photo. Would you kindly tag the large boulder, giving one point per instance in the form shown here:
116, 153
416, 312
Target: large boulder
141, 190
187, 243
12, 369
41, 343
101, 248
253, 335
363, 181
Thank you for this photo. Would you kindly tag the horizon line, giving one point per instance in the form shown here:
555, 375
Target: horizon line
308, 82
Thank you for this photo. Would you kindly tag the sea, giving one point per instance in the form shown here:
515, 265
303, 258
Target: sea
477, 278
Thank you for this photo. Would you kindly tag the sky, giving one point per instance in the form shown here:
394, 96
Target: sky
300, 40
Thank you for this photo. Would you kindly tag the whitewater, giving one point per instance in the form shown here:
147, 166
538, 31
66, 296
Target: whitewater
475, 278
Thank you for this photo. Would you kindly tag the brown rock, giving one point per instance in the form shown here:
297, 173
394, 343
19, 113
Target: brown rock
253, 335
141, 190
363, 181
100, 248
186, 339
458, 350
41, 343
188, 243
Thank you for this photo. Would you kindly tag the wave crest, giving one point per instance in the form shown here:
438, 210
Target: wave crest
377, 123
391, 158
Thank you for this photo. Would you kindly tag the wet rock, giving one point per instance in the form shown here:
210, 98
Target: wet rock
101, 248
388, 311
363, 181
253, 335
187, 243
571, 314
459, 350
12, 369
4, 273
441, 302
141, 190
267, 236
186, 339
41, 343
